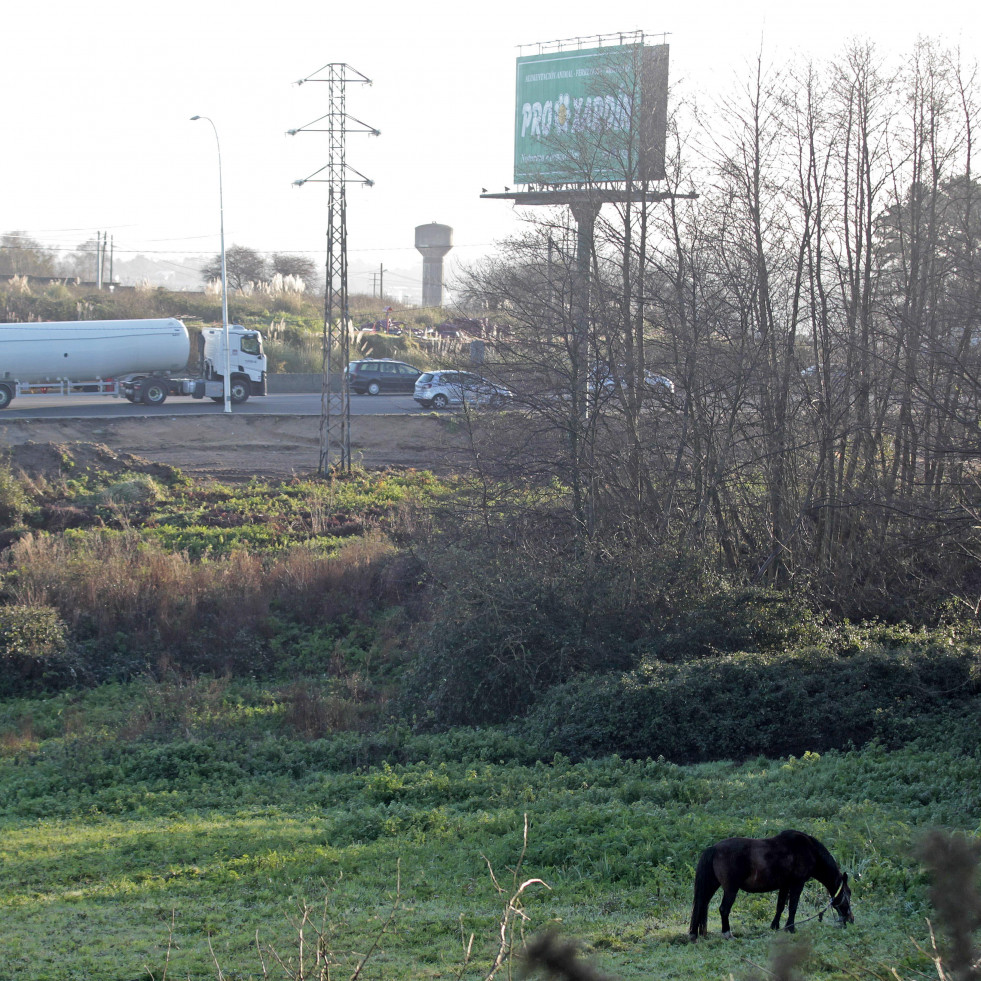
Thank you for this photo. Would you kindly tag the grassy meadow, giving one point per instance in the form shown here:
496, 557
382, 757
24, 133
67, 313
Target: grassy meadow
182, 800
207, 853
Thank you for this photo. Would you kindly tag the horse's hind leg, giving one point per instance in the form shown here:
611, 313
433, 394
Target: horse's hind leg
728, 898
781, 902
795, 892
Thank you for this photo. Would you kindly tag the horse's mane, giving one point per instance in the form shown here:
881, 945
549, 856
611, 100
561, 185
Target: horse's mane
824, 855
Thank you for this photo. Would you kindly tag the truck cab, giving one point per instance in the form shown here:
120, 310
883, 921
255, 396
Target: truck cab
246, 358
246, 362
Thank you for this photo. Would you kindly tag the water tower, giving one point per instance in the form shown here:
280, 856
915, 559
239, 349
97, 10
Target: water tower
433, 241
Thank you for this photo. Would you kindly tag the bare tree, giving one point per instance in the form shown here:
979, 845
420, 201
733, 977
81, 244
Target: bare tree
816, 309
83, 262
22, 255
298, 266
243, 266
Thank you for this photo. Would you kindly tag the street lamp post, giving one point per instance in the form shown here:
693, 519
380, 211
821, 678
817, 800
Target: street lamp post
224, 274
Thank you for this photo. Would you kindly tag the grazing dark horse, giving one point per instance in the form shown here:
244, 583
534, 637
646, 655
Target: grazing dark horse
782, 863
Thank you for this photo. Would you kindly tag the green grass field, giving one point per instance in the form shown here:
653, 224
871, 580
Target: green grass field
247, 806
132, 855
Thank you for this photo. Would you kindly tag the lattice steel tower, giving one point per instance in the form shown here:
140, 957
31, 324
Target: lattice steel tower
335, 400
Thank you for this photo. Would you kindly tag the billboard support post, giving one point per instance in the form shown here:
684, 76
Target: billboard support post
590, 129
585, 212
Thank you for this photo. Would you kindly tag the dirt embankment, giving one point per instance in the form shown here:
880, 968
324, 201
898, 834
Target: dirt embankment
226, 447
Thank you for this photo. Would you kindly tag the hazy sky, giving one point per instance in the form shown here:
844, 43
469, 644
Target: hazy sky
97, 100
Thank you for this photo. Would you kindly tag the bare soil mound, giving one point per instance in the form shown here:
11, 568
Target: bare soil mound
51, 460
227, 448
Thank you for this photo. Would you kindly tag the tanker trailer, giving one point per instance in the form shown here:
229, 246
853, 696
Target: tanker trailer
141, 360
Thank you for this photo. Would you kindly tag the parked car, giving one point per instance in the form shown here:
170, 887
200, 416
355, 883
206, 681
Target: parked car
377, 376
659, 382
438, 389
813, 372
602, 380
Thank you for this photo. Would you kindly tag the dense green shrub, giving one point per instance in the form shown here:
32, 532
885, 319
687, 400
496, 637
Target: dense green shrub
53, 302
140, 489
34, 652
14, 500
506, 628
732, 617
503, 631
742, 705
304, 355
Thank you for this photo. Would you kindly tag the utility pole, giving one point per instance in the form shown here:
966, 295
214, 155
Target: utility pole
335, 406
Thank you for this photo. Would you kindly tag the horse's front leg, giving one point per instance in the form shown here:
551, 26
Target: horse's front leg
728, 898
794, 898
781, 902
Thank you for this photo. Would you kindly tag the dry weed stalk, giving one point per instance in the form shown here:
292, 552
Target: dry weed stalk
170, 947
324, 957
513, 916
786, 956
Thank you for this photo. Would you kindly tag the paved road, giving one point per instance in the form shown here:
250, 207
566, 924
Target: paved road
101, 406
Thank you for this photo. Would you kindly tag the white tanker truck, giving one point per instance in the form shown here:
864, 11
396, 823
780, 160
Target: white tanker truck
140, 360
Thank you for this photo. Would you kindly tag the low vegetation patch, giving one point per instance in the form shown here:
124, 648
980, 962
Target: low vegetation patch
173, 848
232, 715
146, 576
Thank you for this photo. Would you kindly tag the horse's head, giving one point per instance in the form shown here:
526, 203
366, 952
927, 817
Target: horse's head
841, 901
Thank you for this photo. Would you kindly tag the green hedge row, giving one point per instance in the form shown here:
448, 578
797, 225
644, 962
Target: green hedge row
742, 705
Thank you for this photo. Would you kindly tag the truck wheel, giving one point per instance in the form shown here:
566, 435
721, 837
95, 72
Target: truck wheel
241, 389
6, 396
153, 391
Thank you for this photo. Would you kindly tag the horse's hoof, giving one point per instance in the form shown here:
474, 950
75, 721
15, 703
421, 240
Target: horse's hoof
693, 937
727, 934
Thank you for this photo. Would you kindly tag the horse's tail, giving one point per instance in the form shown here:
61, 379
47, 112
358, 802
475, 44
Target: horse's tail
705, 885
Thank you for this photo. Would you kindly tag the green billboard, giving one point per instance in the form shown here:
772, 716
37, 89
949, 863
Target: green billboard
590, 116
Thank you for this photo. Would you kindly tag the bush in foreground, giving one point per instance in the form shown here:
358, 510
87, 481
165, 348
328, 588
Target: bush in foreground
34, 652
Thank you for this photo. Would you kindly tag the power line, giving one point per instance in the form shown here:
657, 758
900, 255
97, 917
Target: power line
39, 247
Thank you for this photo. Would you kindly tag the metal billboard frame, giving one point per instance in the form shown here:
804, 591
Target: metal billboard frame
591, 115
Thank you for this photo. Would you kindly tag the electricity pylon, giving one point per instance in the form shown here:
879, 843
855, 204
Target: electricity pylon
335, 400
